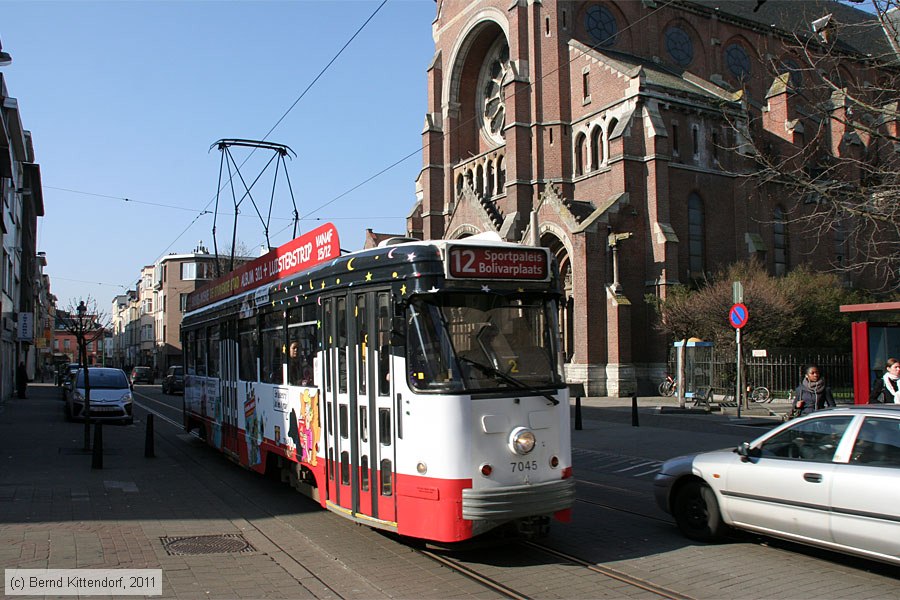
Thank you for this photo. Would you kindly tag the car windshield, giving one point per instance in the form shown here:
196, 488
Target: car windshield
482, 342
104, 379
178, 372
142, 369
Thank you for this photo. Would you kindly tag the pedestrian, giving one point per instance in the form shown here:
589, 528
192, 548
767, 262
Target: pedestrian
887, 389
21, 379
813, 393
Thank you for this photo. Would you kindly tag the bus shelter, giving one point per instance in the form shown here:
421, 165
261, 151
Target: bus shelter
875, 336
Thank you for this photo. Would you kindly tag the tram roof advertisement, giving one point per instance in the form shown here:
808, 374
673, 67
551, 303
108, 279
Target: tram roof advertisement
497, 262
301, 253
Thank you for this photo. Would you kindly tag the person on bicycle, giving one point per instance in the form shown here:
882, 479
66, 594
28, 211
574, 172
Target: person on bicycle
813, 393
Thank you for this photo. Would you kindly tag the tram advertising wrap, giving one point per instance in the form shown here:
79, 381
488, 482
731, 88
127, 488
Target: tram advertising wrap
414, 387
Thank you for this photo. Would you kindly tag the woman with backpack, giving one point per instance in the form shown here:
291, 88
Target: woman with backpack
887, 389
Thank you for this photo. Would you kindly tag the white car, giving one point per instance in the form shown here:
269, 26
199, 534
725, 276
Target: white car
829, 479
111, 395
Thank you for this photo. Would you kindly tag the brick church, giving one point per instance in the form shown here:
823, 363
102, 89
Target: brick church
611, 133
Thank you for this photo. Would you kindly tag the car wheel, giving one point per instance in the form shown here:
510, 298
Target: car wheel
696, 512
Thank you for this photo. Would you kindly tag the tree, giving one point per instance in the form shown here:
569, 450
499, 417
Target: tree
84, 321
825, 144
801, 310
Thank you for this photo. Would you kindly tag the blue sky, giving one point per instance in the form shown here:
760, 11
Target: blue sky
124, 100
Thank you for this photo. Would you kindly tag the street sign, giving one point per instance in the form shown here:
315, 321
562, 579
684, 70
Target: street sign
738, 316
737, 292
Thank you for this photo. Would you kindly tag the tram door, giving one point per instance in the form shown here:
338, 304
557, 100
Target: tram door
226, 409
359, 421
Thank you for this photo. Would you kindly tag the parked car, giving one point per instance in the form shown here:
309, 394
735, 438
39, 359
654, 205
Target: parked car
111, 396
829, 479
142, 375
173, 381
67, 375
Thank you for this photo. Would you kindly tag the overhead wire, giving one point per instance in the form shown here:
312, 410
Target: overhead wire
309, 214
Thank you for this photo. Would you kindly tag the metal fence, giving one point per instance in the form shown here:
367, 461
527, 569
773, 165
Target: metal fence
781, 371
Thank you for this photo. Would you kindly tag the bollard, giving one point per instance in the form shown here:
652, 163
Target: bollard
578, 412
634, 412
97, 453
148, 439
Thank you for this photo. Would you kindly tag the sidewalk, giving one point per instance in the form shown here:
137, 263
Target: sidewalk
56, 512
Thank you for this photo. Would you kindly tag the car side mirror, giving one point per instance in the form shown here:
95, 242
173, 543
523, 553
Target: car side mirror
746, 452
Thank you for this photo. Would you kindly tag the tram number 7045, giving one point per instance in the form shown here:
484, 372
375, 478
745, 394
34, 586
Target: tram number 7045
524, 465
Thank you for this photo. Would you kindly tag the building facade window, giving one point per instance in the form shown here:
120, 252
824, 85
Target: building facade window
780, 240
738, 62
696, 241
601, 25
679, 45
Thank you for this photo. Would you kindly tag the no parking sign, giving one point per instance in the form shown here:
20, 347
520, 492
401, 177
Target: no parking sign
738, 316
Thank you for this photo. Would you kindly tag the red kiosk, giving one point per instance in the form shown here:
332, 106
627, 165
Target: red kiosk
876, 337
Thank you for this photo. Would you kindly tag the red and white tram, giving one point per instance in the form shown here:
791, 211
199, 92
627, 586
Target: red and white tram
413, 387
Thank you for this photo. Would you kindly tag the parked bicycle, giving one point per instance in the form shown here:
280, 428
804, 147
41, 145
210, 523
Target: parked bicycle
759, 394
669, 386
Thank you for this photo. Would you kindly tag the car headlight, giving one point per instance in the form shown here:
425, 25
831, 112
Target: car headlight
521, 440
126, 397
76, 396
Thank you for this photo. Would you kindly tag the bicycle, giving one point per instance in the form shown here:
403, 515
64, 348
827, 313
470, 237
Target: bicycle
668, 387
759, 394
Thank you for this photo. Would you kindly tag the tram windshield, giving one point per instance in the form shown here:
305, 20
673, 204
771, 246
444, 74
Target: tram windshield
482, 342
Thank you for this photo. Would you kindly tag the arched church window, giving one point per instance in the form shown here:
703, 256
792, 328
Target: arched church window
479, 180
679, 45
501, 175
789, 65
696, 235
492, 104
601, 24
460, 182
738, 62
780, 240
579, 153
489, 180
596, 148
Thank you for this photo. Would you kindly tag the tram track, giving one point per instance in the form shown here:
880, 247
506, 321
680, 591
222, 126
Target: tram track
493, 583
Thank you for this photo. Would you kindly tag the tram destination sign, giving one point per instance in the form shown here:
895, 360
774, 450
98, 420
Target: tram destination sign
301, 253
498, 262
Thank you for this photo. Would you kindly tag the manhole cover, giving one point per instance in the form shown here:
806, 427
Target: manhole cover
207, 544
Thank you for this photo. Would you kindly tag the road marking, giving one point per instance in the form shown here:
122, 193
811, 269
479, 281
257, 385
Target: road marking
160, 415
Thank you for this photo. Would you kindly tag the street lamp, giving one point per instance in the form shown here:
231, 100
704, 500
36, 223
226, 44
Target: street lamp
82, 349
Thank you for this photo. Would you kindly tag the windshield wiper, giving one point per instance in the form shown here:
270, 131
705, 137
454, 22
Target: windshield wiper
489, 370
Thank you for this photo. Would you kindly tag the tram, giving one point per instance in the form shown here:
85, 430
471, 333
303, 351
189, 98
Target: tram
414, 387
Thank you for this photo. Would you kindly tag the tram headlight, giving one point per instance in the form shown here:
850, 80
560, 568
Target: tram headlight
521, 440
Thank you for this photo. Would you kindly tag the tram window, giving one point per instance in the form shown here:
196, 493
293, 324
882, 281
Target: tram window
329, 343
201, 352
301, 345
341, 344
363, 424
384, 351
364, 473
384, 426
213, 357
189, 349
247, 348
328, 421
331, 464
343, 421
386, 477
272, 345
362, 339
345, 468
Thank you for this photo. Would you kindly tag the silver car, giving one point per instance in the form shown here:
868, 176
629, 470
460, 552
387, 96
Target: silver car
111, 395
830, 479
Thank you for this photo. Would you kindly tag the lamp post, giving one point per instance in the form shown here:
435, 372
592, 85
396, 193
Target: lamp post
82, 349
